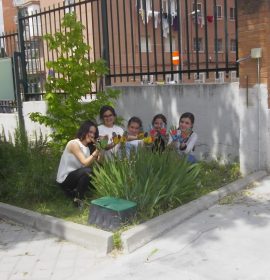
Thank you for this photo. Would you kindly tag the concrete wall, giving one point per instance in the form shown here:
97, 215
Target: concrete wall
10, 121
215, 106
254, 129
231, 122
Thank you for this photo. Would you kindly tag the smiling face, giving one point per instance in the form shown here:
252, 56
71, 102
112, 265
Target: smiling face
133, 129
108, 118
90, 136
185, 124
158, 124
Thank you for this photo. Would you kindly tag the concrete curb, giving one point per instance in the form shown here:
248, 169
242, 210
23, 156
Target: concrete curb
100, 241
140, 235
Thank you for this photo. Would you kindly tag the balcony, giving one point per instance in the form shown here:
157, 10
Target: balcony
18, 3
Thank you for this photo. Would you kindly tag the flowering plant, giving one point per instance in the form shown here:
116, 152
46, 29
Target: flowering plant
148, 139
116, 138
175, 134
185, 135
102, 143
178, 135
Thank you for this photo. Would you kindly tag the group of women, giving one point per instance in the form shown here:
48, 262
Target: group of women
81, 152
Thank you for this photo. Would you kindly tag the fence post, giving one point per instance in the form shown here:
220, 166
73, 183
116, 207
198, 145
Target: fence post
105, 35
22, 50
16, 57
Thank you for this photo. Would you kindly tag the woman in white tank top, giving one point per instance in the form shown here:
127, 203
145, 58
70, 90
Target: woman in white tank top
79, 154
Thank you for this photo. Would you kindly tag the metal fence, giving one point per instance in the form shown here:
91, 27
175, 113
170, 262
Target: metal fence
141, 40
8, 44
145, 35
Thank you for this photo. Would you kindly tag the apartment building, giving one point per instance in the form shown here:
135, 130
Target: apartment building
142, 35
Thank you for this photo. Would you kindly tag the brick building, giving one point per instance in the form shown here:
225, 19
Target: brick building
142, 37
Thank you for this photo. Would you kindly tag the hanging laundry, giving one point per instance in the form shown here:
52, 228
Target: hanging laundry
210, 19
142, 14
165, 25
156, 17
200, 20
173, 15
175, 23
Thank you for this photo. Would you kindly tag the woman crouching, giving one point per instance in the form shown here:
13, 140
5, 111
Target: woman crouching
78, 156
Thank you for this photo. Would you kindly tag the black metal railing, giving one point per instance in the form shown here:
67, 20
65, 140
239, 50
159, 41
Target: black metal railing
138, 39
145, 34
8, 106
8, 44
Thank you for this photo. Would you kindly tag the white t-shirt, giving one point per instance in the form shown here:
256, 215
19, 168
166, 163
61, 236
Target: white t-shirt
104, 130
69, 162
133, 145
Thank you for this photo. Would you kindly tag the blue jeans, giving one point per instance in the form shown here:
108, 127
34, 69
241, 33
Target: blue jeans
191, 159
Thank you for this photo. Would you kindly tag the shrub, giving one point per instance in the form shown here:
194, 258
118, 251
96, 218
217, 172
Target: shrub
28, 170
157, 182
72, 77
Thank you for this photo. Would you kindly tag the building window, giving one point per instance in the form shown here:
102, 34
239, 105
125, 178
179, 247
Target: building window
233, 45
143, 44
219, 46
198, 44
219, 11
167, 44
199, 9
69, 9
232, 13
148, 5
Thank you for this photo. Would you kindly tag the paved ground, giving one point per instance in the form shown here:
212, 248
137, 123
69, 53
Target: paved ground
230, 241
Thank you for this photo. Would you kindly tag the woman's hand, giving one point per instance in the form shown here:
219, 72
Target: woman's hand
183, 146
96, 154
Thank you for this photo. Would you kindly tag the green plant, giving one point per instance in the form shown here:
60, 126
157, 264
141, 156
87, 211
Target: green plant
27, 169
157, 182
72, 77
117, 241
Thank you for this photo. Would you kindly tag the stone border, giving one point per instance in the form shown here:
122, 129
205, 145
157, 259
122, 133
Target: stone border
101, 241
142, 234
92, 238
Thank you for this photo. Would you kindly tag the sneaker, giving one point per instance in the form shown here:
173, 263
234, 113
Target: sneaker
78, 203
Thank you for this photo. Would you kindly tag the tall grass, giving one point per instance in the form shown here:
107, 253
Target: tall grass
157, 182
27, 169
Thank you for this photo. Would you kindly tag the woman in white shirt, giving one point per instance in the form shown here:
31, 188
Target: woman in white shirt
107, 115
134, 127
78, 156
187, 138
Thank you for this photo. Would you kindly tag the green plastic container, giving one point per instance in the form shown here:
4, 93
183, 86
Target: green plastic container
110, 213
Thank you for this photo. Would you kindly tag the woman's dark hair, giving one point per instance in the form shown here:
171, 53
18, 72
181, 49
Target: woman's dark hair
135, 120
188, 115
159, 116
84, 129
105, 108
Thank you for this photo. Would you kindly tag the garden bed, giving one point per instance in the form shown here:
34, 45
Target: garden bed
28, 174
27, 180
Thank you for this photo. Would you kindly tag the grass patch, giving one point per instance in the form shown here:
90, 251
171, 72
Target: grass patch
28, 172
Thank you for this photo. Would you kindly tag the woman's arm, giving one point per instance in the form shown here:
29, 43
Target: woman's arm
132, 137
74, 148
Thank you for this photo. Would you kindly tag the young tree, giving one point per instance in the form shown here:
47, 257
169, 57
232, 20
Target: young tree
75, 77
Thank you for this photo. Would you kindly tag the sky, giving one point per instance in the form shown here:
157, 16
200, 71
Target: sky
1, 18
